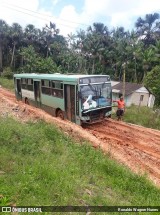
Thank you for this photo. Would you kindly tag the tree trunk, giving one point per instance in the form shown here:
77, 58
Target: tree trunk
13, 55
144, 75
47, 53
85, 66
93, 66
22, 60
1, 64
135, 71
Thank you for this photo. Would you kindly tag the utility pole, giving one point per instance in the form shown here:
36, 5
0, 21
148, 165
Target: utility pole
124, 78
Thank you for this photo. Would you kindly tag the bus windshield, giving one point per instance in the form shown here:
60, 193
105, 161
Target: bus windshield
95, 95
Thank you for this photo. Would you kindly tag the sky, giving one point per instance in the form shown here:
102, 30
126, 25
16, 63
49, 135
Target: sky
72, 15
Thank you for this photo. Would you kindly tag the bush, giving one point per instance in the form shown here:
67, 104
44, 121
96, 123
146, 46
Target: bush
144, 116
152, 82
7, 73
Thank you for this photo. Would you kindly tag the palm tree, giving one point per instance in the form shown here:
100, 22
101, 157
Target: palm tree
98, 28
16, 37
49, 33
30, 35
147, 58
147, 28
156, 49
97, 41
4, 28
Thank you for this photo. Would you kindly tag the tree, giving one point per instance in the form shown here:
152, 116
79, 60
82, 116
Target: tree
4, 28
48, 35
16, 37
152, 82
148, 28
36, 64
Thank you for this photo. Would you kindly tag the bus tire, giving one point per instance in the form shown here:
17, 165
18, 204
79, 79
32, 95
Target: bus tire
60, 114
26, 101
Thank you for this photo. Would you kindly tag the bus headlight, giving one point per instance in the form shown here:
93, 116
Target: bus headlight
85, 118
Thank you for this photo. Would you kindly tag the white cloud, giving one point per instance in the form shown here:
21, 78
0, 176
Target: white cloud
95, 8
111, 12
55, 2
11, 12
68, 19
129, 10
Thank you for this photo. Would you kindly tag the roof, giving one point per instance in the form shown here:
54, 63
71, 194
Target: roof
114, 83
56, 76
129, 87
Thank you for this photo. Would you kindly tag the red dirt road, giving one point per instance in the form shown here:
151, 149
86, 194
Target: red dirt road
134, 146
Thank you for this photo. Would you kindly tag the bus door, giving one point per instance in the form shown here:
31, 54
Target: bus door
69, 92
18, 89
37, 93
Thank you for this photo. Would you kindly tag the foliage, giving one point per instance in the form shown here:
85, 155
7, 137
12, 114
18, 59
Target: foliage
46, 65
7, 73
152, 81
43, 166
30, 58
7, 83
33, 63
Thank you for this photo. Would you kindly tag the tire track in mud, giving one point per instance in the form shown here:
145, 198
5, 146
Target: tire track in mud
139, 147
127, 139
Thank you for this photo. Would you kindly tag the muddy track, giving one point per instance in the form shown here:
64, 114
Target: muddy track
139, 147
134, 146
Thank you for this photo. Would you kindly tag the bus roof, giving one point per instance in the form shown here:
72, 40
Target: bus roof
56, 76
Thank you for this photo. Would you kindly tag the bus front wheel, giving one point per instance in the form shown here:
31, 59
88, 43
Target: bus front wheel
60, 114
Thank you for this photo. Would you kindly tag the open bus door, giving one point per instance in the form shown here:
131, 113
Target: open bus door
69, 92
18, 89
37, 93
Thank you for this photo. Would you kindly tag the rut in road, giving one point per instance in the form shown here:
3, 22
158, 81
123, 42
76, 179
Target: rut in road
134, 146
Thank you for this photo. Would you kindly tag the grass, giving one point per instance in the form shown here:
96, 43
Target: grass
42, 166
7, 83
144, 116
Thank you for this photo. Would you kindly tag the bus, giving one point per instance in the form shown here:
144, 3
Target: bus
77, 98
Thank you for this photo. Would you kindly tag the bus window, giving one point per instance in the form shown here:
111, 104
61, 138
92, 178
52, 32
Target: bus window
30, 84
46, 89
24, 83
96, 95
57, 89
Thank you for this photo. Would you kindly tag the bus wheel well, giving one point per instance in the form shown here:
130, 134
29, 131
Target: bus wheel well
26, 100
59, 113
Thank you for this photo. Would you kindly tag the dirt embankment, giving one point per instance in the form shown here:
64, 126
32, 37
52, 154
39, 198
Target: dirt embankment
135, 146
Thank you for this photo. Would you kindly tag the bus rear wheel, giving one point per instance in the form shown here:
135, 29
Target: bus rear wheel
60, 114
26, 101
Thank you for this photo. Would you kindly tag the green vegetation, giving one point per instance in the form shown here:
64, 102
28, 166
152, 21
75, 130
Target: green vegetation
144, 116
35, 63
7, 83
152, 81
42, 166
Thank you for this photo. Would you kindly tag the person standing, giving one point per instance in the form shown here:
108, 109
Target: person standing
121, 108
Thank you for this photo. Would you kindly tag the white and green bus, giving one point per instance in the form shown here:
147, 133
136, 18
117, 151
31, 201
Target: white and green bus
78, 98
